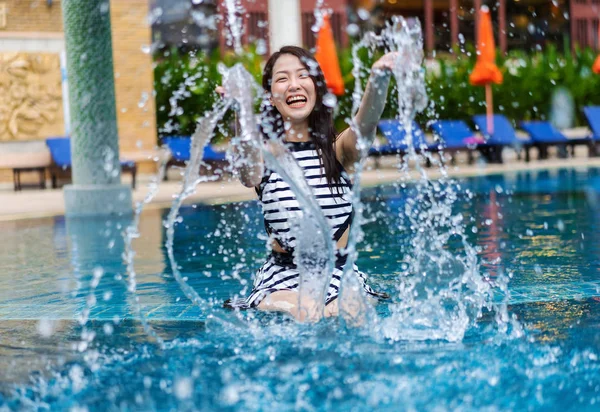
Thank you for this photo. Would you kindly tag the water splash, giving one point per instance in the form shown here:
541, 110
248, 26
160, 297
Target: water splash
191, 179
132, 232
314, 252
406, 42
234, 21
319, 14
442, 292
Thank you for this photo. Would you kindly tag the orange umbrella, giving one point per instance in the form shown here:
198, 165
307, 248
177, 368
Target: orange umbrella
327, 58
596, 66
486, 72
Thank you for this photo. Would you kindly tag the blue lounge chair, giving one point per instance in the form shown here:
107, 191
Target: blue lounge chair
397, 142
503, 135
60, 152
180, 147
592, 113
456, 136
543, 135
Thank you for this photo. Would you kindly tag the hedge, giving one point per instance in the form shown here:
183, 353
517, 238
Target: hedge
185, 83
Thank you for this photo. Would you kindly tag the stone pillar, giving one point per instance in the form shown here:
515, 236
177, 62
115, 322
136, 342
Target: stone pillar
285, 24
96, 188
96, 243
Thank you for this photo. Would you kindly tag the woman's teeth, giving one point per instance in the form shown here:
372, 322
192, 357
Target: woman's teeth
296, 101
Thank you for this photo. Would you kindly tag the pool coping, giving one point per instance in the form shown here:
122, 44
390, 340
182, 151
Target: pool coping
35, 204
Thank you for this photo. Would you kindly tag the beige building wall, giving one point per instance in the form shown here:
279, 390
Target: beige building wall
31, 40
31, 16
136, 112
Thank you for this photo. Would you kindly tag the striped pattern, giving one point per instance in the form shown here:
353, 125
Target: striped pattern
280, 207
272, 277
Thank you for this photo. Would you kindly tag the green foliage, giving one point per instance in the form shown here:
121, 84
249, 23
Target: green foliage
185, 83
526, 92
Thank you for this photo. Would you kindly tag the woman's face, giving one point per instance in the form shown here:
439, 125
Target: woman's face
292, 89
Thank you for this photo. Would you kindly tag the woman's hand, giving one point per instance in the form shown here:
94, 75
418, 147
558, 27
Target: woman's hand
385, 64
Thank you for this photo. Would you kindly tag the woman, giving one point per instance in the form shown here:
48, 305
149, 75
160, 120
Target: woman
295, 85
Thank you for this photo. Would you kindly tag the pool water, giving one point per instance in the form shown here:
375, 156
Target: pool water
541, 228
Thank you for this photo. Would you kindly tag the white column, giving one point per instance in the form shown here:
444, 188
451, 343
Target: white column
285, 24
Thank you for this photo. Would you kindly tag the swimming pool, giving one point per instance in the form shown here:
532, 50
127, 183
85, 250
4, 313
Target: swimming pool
542, 228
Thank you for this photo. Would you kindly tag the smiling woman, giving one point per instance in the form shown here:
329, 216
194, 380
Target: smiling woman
296, 87
292, 88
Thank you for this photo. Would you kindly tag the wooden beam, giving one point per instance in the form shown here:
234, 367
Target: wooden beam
453, 22
502, 25
429, 25
476, 7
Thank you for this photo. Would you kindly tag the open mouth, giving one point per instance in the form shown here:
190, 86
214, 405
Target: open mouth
296, 101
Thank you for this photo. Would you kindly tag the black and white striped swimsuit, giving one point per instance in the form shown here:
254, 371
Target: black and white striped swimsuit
280, 209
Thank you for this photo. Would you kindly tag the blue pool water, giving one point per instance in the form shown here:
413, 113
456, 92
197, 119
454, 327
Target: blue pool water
542, 228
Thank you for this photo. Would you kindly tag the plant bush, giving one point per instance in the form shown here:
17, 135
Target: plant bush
526, 92
185, 83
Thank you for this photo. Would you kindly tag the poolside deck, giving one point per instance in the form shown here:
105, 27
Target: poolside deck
32, 203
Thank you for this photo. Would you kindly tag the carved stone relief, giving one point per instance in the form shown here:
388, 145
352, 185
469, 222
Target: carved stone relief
31, 103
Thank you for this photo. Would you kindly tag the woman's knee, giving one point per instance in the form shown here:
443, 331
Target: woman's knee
332, 309
279, 301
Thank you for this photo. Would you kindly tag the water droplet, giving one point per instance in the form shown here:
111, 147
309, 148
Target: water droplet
143, 99
46, 327
261, 47
183, 388
97, 275
353, 29
363, 14
154, 15
108, 328
330, 100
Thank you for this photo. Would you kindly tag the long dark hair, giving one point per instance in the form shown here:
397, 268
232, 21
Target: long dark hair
320, 121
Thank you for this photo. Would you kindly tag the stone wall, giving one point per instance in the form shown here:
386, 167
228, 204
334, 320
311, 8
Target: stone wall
31, 16
31, 77
132, 37
31, 106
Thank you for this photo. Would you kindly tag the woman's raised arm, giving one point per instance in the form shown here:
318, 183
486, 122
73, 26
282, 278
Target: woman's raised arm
369, 112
